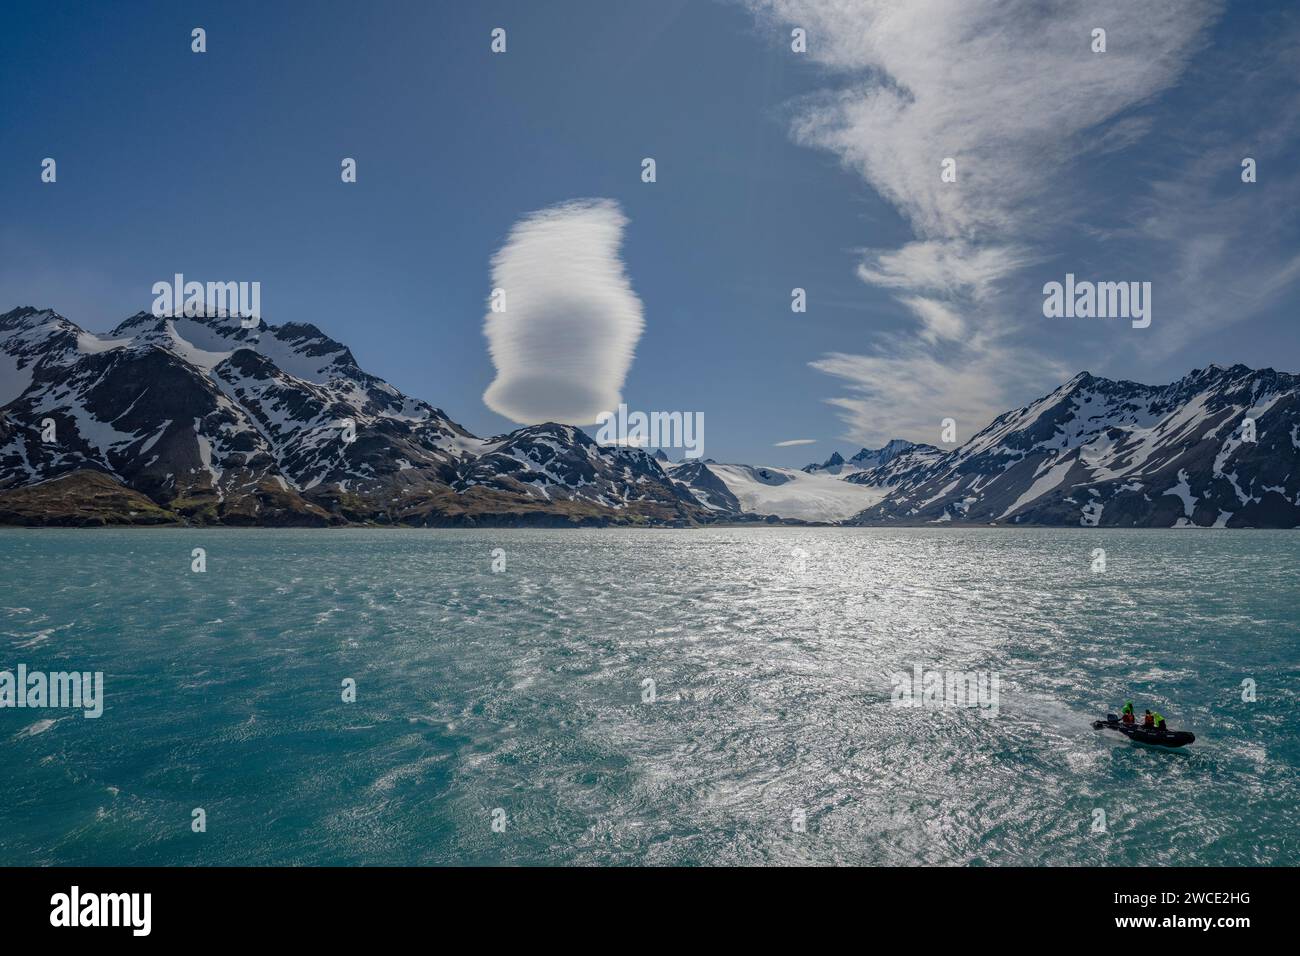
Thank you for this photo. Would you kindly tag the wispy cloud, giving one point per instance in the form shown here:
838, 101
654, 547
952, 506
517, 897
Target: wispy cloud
1221, 241
795, 441
938, 320
566, 339
1014, 94
950, 267
917, 390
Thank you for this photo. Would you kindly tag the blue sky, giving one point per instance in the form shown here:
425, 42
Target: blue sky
775, 170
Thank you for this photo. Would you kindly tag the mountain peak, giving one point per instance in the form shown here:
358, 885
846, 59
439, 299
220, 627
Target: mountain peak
135, 323
1215, 370
27, 316
886, 453
15, 315
835, 461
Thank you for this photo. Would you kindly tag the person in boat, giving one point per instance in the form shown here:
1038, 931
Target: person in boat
1148, 719
1160, 722
1126, 715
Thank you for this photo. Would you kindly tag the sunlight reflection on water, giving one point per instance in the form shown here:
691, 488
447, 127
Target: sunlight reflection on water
770, 651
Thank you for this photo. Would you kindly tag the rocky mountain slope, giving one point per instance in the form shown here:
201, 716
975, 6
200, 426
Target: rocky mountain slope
202, 420
1217, 448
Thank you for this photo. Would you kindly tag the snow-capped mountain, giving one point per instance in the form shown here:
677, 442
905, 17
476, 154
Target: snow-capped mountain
1093, 452
705, 485
1217, 448
871, 459
889, 465
562, 464
201, 419
832, 464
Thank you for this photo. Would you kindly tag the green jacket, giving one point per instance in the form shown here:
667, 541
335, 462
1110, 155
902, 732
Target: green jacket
1160, 720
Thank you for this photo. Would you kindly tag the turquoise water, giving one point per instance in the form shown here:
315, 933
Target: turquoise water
770, 651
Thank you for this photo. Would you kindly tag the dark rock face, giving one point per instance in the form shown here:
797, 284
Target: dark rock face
277, 425
835, 461
706, 487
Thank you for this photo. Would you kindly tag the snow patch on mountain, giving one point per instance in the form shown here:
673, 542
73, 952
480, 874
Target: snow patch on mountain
1051, 476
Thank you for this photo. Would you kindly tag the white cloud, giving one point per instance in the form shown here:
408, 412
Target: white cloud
1002, 87
1009, 89
907, 392
950, 267
567, 337
795, 441
938, 321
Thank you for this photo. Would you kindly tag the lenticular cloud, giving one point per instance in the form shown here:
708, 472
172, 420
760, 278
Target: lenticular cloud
568, 332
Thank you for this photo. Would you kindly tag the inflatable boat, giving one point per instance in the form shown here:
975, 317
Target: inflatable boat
1145, 735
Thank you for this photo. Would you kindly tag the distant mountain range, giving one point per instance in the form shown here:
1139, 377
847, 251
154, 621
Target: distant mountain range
870, 458
199, 420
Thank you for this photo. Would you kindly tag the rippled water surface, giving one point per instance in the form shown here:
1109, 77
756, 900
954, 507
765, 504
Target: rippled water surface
770, 651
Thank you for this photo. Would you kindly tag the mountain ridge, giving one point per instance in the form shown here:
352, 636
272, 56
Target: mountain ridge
1104, 452
278, 425
198, 420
